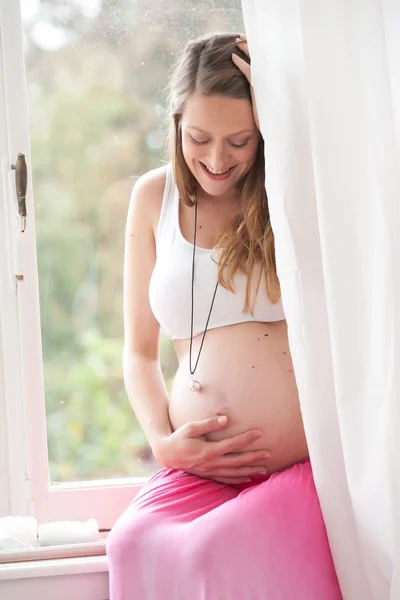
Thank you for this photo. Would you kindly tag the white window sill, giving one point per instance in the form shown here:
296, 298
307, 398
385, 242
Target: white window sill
52, 552
78, 577
52, 568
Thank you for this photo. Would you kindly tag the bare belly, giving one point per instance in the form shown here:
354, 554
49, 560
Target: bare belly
246, 373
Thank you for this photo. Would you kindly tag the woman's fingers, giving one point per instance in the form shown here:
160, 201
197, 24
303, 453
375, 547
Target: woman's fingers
243, 45
243, 66
197, 428
242, 459
232, 444
235, 472
240, 62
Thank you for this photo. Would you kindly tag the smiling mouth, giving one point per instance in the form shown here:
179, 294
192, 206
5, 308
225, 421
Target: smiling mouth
217, 175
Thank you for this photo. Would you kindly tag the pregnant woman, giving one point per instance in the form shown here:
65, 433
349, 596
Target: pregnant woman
233, 514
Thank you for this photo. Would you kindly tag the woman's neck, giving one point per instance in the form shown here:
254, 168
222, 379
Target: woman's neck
228, 201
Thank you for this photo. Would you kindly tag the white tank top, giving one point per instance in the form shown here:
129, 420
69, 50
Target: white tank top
170, 284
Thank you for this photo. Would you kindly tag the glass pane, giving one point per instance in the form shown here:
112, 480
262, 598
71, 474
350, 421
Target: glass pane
96, 75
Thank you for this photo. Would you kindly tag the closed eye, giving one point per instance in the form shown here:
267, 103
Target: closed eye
242, 145
197, 141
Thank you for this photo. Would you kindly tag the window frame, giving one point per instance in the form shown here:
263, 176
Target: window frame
24, 470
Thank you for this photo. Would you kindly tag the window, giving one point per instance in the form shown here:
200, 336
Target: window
95, 75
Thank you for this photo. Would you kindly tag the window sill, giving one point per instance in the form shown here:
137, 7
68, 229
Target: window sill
78, 577
54, 560
52, 552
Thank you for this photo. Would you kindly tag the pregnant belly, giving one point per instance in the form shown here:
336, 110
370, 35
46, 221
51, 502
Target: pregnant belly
246, 373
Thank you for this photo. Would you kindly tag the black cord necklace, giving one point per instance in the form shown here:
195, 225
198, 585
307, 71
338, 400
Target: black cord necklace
195, 385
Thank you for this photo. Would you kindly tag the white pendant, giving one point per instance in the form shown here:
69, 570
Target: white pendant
194, 386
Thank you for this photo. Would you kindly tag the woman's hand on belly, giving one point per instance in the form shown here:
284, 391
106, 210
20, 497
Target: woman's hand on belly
225, 461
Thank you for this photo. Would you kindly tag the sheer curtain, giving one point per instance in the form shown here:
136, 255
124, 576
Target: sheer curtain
327, 83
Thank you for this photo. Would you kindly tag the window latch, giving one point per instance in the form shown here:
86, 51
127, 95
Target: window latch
21, 179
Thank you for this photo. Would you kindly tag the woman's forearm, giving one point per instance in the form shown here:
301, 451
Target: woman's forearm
148, 396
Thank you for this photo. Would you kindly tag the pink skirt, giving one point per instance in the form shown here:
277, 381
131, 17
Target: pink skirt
187, 538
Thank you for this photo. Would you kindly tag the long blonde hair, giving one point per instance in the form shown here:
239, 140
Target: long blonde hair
206, 67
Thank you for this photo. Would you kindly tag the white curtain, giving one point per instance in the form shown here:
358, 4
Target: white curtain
326, 75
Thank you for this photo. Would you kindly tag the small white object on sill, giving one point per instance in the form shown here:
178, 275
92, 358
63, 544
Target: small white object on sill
18, 532
24, 532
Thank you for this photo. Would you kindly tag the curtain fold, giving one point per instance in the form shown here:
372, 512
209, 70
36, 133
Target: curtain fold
327, 85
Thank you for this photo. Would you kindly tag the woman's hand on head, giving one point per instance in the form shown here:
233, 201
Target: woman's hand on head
246, 70
225, 461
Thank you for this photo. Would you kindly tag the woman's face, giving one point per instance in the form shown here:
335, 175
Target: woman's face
219, 141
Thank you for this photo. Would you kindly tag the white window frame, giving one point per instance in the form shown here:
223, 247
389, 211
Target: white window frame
24, 471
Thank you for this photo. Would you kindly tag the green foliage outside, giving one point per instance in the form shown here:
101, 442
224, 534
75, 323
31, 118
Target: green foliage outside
97, 121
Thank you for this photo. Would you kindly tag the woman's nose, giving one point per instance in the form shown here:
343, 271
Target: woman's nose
217, 157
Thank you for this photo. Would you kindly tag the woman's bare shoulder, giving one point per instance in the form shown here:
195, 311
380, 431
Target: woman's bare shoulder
148, 193
151, 184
